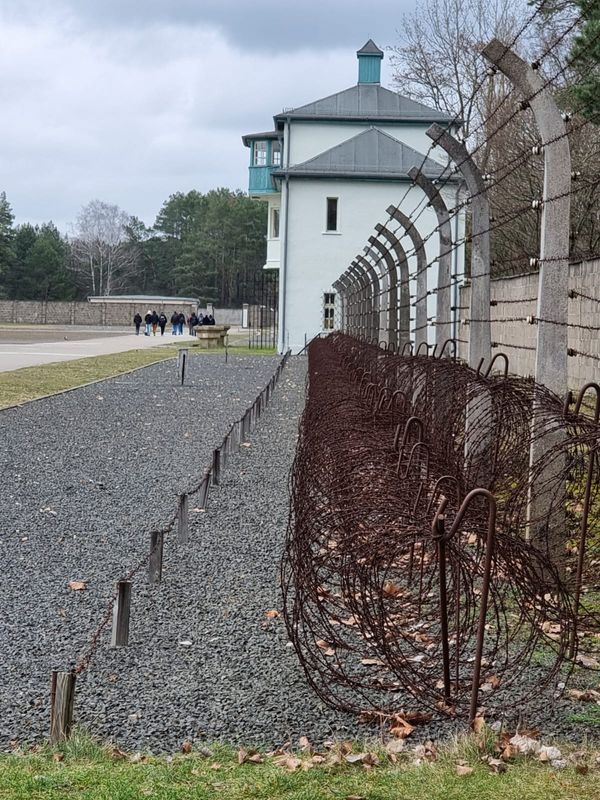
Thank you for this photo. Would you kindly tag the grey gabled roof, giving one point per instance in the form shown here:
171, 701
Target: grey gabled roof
247, 138
366, 102
371, 154
370, 49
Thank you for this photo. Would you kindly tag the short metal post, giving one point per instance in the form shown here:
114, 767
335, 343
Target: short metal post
121, 612
183, 517
156, 557
204, 489
182, 355
216, 467
62, 698
438, 532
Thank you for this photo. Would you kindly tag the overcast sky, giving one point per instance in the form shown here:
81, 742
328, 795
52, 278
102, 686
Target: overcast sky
129, 101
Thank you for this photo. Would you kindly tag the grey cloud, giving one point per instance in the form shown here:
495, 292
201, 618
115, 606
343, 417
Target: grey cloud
266, 25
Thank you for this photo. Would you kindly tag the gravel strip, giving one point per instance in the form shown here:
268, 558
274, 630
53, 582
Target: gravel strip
205, 661
85, 476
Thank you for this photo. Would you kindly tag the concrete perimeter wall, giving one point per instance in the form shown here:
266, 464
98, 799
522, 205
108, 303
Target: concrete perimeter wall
521, 294
83, 313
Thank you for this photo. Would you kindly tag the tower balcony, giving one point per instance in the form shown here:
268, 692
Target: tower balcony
259, 181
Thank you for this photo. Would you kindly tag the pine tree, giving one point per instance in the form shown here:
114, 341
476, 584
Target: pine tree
585, 58
7, 235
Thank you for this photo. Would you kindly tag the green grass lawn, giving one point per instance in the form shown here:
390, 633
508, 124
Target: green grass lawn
25, 384
80, 769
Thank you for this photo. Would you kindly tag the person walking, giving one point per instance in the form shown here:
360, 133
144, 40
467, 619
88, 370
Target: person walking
181, 323
174, 323
154, 321
162, 321
137, 321
148, 323
192, 322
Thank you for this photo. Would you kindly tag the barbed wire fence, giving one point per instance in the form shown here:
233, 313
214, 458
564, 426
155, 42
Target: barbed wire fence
117, 610
444, 532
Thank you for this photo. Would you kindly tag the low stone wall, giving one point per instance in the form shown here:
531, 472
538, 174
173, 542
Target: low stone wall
84, 313
517, 297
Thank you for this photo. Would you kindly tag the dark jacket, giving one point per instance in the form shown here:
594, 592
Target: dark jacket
162, 320
181, 319
154, 318
148, 318
137, 319
174, 318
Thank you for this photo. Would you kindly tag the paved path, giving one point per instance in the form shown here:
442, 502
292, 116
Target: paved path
18, 350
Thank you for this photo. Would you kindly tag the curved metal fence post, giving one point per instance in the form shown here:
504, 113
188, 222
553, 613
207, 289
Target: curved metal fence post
403, 314
443, 323
480, 338
551, 368
419, 247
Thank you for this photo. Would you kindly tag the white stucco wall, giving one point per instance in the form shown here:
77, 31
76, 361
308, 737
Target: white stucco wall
273, 243
315, 259
308, 139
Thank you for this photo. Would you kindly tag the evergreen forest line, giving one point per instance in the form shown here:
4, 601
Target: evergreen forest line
209, 246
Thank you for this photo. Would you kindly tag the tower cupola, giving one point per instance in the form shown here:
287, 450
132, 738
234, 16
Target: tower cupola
369, 63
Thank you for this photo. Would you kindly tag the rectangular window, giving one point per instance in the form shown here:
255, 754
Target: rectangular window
332, 214
328, 311
276, 153
260, 154
274, 223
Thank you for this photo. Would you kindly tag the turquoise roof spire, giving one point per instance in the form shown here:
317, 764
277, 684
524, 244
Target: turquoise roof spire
369, 63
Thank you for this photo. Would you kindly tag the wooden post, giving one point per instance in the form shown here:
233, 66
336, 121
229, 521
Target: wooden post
156, 557
183, 527
62, 697
216, 467
121, 611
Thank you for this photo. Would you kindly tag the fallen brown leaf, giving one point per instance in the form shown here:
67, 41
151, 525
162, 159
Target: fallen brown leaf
289, 762
478, 724
77, 586
272, 614
463, 770
58, 756
186, 747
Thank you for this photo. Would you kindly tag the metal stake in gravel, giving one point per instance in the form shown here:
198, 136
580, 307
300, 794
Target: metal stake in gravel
216, 467
183, 519
156, 556
61, 711
182, 361
204, 489
121, 611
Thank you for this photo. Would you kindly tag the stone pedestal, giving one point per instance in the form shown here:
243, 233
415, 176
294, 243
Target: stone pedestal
210, 337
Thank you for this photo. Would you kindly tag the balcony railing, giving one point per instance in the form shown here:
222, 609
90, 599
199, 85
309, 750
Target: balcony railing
260, 180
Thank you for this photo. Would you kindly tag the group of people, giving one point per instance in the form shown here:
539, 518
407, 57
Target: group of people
154, 321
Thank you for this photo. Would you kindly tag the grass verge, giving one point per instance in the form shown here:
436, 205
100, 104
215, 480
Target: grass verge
25, 384
29, 383
82, 769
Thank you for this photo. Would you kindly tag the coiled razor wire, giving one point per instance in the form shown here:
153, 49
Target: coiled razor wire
386, 443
